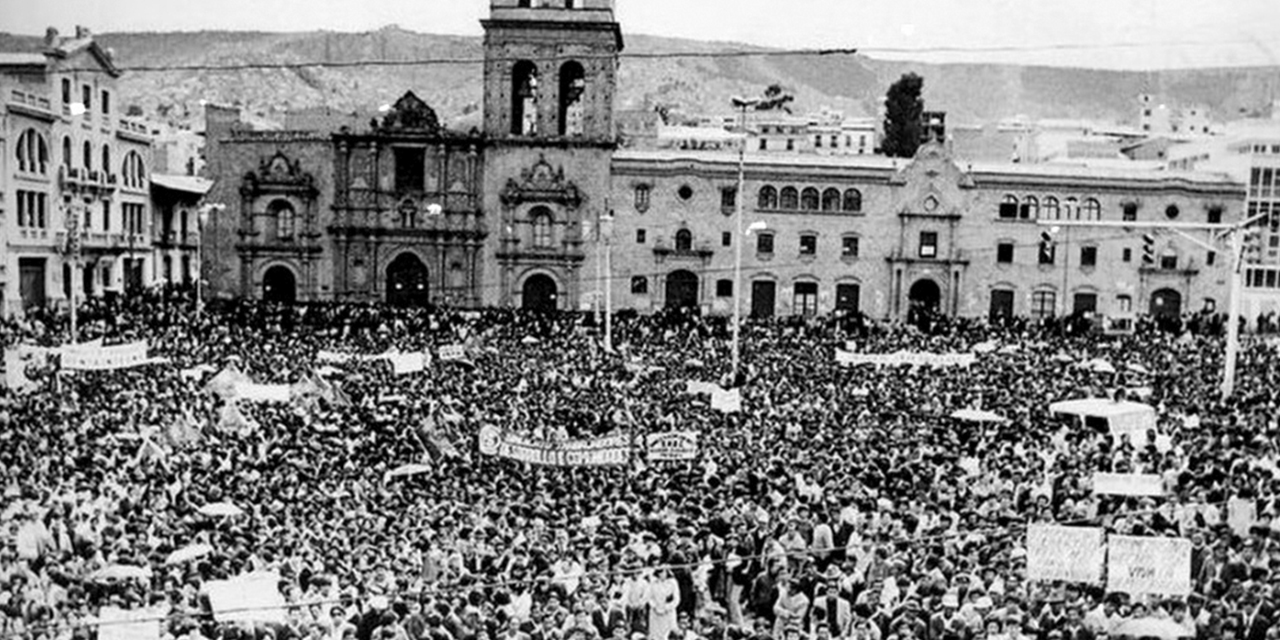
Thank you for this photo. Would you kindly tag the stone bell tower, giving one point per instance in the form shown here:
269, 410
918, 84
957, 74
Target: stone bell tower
550, 77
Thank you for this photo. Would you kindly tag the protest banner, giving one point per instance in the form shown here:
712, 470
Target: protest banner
1069, 554
1128, 484
1157, 566
95, 357
453, 352
16, 361
406, 363
726, 400
674, 445
115, 623
252, 597
693, 388
1242, 514
251, 392
593, 452
909, 358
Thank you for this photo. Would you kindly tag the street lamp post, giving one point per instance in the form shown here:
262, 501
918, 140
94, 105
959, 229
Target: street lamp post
606, 233
71, 220
742, 105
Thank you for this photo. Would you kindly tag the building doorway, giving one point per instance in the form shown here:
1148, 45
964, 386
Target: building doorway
1001, 305
540, 294
682, 290
279, 285
1166, 304
924, 297
848, 298
764, 296
31, 281
408, 283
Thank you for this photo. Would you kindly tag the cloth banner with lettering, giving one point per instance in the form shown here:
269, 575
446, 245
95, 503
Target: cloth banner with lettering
593, 452
1128, 484
115, 623
726, 400
910, 358
1156, 566
453, 353
406, 363
250, 392
673, 445
225, 382
693, 388
252, 597
1241, 515
95, 357
1069, 554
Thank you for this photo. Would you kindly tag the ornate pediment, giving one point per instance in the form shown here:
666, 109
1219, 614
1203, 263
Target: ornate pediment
410, 113
542, 183
278, 174
932, 184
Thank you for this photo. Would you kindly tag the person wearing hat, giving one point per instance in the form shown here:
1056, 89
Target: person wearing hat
948, 619
790, 607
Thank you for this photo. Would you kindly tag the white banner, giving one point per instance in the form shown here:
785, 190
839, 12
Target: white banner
693, 387
406, 363
252, 392
674, 445
1128, 484
911, 358
1241, 515
726, 400
115, 623
595, 452
16, 361
252, 597
1070, 554
453, 352
1157, 566
95, 357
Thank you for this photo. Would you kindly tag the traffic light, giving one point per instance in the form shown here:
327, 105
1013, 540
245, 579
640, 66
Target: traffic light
1148, 250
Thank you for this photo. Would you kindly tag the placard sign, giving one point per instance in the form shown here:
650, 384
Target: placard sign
674, 445
1157, 566
1069, 554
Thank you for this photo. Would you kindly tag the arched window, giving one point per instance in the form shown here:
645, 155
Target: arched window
87, 155
541, 218
1092, 210
32, 152
285, 218
852, 201
768, 198
524, 99
809, 199
789, 198
66, 151
573, 86
639, 285
106, 158
831, 200
1070, 209
133, 173
684, 240
1051, 211
1030, 208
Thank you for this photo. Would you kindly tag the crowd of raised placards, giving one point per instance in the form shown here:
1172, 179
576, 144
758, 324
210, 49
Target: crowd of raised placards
507, 490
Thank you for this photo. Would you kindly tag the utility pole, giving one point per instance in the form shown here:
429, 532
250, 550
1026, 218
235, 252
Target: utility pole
606, 231
742, 104
1233, 315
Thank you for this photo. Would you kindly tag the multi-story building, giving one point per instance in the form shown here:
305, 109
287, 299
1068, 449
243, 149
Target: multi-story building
408, 211
77, 165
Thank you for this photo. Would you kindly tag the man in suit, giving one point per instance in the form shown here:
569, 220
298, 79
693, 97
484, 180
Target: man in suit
1257, 616
831, 611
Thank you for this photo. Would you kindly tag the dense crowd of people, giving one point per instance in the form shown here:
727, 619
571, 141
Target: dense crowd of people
836, 504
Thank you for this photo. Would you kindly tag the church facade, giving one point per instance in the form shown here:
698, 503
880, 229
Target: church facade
523, 210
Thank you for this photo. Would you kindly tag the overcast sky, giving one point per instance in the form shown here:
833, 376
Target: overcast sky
1130, 34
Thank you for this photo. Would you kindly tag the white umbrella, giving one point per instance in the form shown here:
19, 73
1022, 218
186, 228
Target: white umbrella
120, 572
189, 552
977, 415
408, 470
221, 509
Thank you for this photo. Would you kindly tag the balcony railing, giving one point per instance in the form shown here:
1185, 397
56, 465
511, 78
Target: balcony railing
30, 100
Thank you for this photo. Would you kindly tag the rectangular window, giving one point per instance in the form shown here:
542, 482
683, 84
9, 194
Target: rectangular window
835, 141
66, 91
1008, 210
1215, 215
106, 215
791, 144
728, 197
928, 244
764, 144
1211, 258
106, 102
86, 93
817, 141
764, 243
849, 246
1085, 303
808, 244
639, 236
1088, 256
726, 239
1004, 253
1124, 304
642, 198
805, 302
1169, 262
724, 288
1043, 303
1047, 251
411, 166
1126, 255
848, 297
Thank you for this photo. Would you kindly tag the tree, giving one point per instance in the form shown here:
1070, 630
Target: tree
775, 97
903, 110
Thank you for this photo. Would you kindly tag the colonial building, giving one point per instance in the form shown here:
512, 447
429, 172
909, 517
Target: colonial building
513, 214
73, 163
